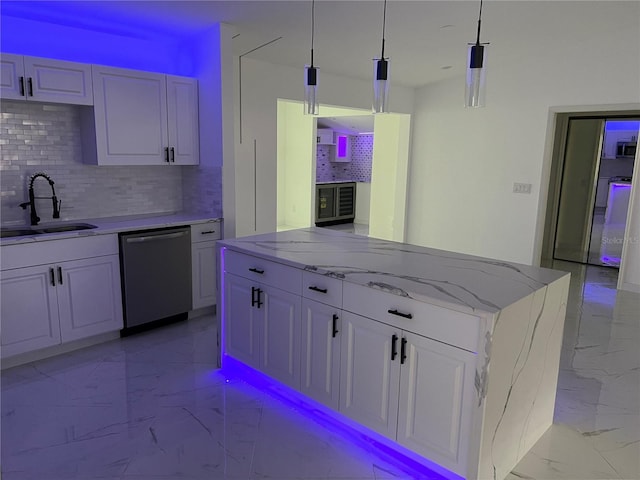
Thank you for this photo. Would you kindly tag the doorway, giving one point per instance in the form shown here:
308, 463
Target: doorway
592, 169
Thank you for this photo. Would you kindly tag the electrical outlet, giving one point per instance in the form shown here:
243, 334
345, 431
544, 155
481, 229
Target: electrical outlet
521, 187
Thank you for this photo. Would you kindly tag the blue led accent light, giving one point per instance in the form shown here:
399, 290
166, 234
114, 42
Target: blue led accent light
617, 125
411, 464
106, 37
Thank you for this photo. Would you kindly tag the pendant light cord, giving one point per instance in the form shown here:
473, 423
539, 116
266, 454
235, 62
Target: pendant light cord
313, 27
479, 22
384, 23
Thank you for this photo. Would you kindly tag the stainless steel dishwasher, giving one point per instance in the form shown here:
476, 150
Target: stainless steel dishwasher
156, 277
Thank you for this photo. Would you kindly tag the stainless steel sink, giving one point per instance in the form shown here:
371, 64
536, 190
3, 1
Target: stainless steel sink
16, 232
28, 231
68, 227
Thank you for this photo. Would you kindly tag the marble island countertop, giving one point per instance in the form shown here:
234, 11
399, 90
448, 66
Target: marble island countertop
109, 225
462, 282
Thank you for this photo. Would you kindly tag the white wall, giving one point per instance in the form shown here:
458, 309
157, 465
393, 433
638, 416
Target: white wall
389, 177
262, 84
465, 161
296, 166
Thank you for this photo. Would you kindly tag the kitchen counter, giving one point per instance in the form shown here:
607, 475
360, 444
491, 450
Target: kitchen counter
110, 225
453, 280
328, 313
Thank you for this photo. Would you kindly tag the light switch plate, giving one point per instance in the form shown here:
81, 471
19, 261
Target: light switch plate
521, 187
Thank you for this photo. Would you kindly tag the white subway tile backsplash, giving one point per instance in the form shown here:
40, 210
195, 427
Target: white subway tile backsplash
41, 137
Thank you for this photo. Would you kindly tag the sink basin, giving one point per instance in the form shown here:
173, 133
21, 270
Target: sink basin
16, 232
28, 231
68, 227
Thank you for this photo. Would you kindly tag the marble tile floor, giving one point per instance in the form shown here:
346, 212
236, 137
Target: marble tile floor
153, 406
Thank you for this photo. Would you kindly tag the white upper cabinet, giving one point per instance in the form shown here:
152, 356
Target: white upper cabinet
182, 110
143, 118
45, 80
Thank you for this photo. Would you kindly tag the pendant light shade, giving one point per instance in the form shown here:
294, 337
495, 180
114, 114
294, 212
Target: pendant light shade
381, 75
311, 104
380, 85
476, 70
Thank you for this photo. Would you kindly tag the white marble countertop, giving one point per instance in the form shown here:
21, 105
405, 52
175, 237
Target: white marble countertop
111, 225
461, 282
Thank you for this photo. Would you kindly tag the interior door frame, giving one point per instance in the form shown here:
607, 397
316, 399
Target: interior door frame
557, 166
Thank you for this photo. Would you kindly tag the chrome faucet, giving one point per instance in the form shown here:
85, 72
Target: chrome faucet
32, 199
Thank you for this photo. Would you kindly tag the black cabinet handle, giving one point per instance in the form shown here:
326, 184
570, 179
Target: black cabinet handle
166, 154
173, 155
22, 86
335, 326
253, 296
394, 349
30, 87
256, 270
60, 275
400, 314
207, 232
260, 302
319, 290
403, 350
52, 277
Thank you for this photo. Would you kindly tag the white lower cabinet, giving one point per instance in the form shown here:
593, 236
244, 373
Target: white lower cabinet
203, 270
203, 263
265, 331
369, 375
89, 297
320, 352
29, 310
280, 346
242, 334
436, 401
414, 390
50, 296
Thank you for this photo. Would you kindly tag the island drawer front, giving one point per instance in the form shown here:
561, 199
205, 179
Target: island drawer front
51, 251
322, 288
202, 232
264, 271
448, 326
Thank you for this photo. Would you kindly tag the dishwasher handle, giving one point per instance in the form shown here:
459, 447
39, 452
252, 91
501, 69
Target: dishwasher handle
151, 238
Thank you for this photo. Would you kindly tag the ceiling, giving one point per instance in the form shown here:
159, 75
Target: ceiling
425, 40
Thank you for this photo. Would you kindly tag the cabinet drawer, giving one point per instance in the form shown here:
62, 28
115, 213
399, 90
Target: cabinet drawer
322, 288
203, 232
448, 326
263, 271
52, 251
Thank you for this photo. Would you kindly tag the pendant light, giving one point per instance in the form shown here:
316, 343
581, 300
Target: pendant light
476, 63
381, 75
311, 105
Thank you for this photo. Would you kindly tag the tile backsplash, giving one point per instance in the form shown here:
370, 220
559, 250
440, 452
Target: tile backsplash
37, 137
357, 170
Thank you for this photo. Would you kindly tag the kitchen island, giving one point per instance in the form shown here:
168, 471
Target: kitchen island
452, 358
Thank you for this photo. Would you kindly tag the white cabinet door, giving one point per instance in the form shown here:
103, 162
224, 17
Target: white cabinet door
182, 111
320, 352
12, 81
57, 81
280, 346
203, 258
242, 321
89, 297
369, 378
130, 110
436, 395
45, 80
29, 312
